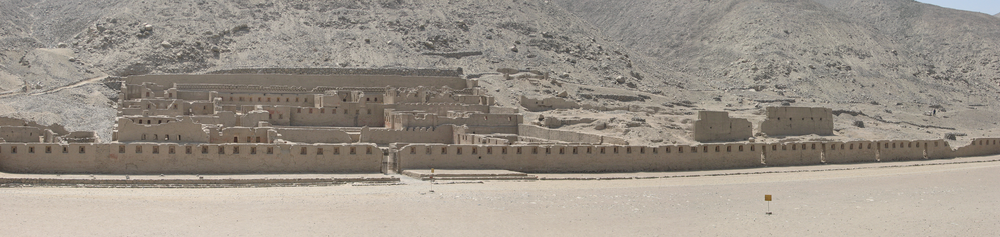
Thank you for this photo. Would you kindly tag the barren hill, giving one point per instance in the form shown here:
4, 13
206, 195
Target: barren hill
642, 67
848, 54
122, 38
883, 51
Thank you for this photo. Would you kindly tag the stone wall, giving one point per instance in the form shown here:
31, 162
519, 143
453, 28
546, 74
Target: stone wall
170, 158
794, 121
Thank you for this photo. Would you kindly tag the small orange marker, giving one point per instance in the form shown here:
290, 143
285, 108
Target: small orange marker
767, 198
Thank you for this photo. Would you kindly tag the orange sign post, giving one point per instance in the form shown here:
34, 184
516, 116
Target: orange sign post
767, 198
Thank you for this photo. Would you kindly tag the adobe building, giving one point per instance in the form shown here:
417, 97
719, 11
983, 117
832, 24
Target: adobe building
397, 106
717, 126
794, 121
382, 120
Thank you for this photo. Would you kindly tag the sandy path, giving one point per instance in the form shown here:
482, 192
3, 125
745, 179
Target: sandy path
954, 199
72, 85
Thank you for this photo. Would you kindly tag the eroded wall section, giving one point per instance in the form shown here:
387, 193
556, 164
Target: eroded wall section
794, 121
717, 126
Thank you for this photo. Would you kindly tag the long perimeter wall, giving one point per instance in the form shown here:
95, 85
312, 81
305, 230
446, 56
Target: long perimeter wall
242, 158
616, 158
166, 158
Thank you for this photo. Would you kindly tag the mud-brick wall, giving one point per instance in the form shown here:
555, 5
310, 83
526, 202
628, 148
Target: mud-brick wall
194, 95
442, 108
714, 126
575, 158
557, 135
713, 156
168, 158
791, 121
439, 134
791, 154
481, 139
850, 152
937, 149
900, 150
539, 159
980, 147
24, 134
313, 135
346, 115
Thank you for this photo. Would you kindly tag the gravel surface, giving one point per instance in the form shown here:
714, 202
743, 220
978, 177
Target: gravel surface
951, 199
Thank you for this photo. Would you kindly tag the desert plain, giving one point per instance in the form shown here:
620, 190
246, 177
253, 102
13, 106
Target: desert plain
919, 198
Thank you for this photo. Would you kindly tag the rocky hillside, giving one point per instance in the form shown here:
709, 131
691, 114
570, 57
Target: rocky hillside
643, 67
899, 55
872, 51
121, 38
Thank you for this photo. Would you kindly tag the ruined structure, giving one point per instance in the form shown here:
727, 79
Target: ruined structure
279, 123
716, 126
16, 130
793, 121
382, 121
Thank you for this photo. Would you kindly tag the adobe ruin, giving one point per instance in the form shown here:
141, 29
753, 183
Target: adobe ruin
794, 121
387, 120
717, 126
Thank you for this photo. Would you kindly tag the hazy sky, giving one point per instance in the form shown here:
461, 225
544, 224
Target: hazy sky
985, 6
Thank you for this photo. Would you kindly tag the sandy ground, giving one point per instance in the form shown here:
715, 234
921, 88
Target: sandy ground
917, 200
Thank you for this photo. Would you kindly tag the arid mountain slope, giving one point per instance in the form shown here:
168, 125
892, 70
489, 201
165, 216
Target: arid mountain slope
121, 38
198, 36
647, 66
882, 51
